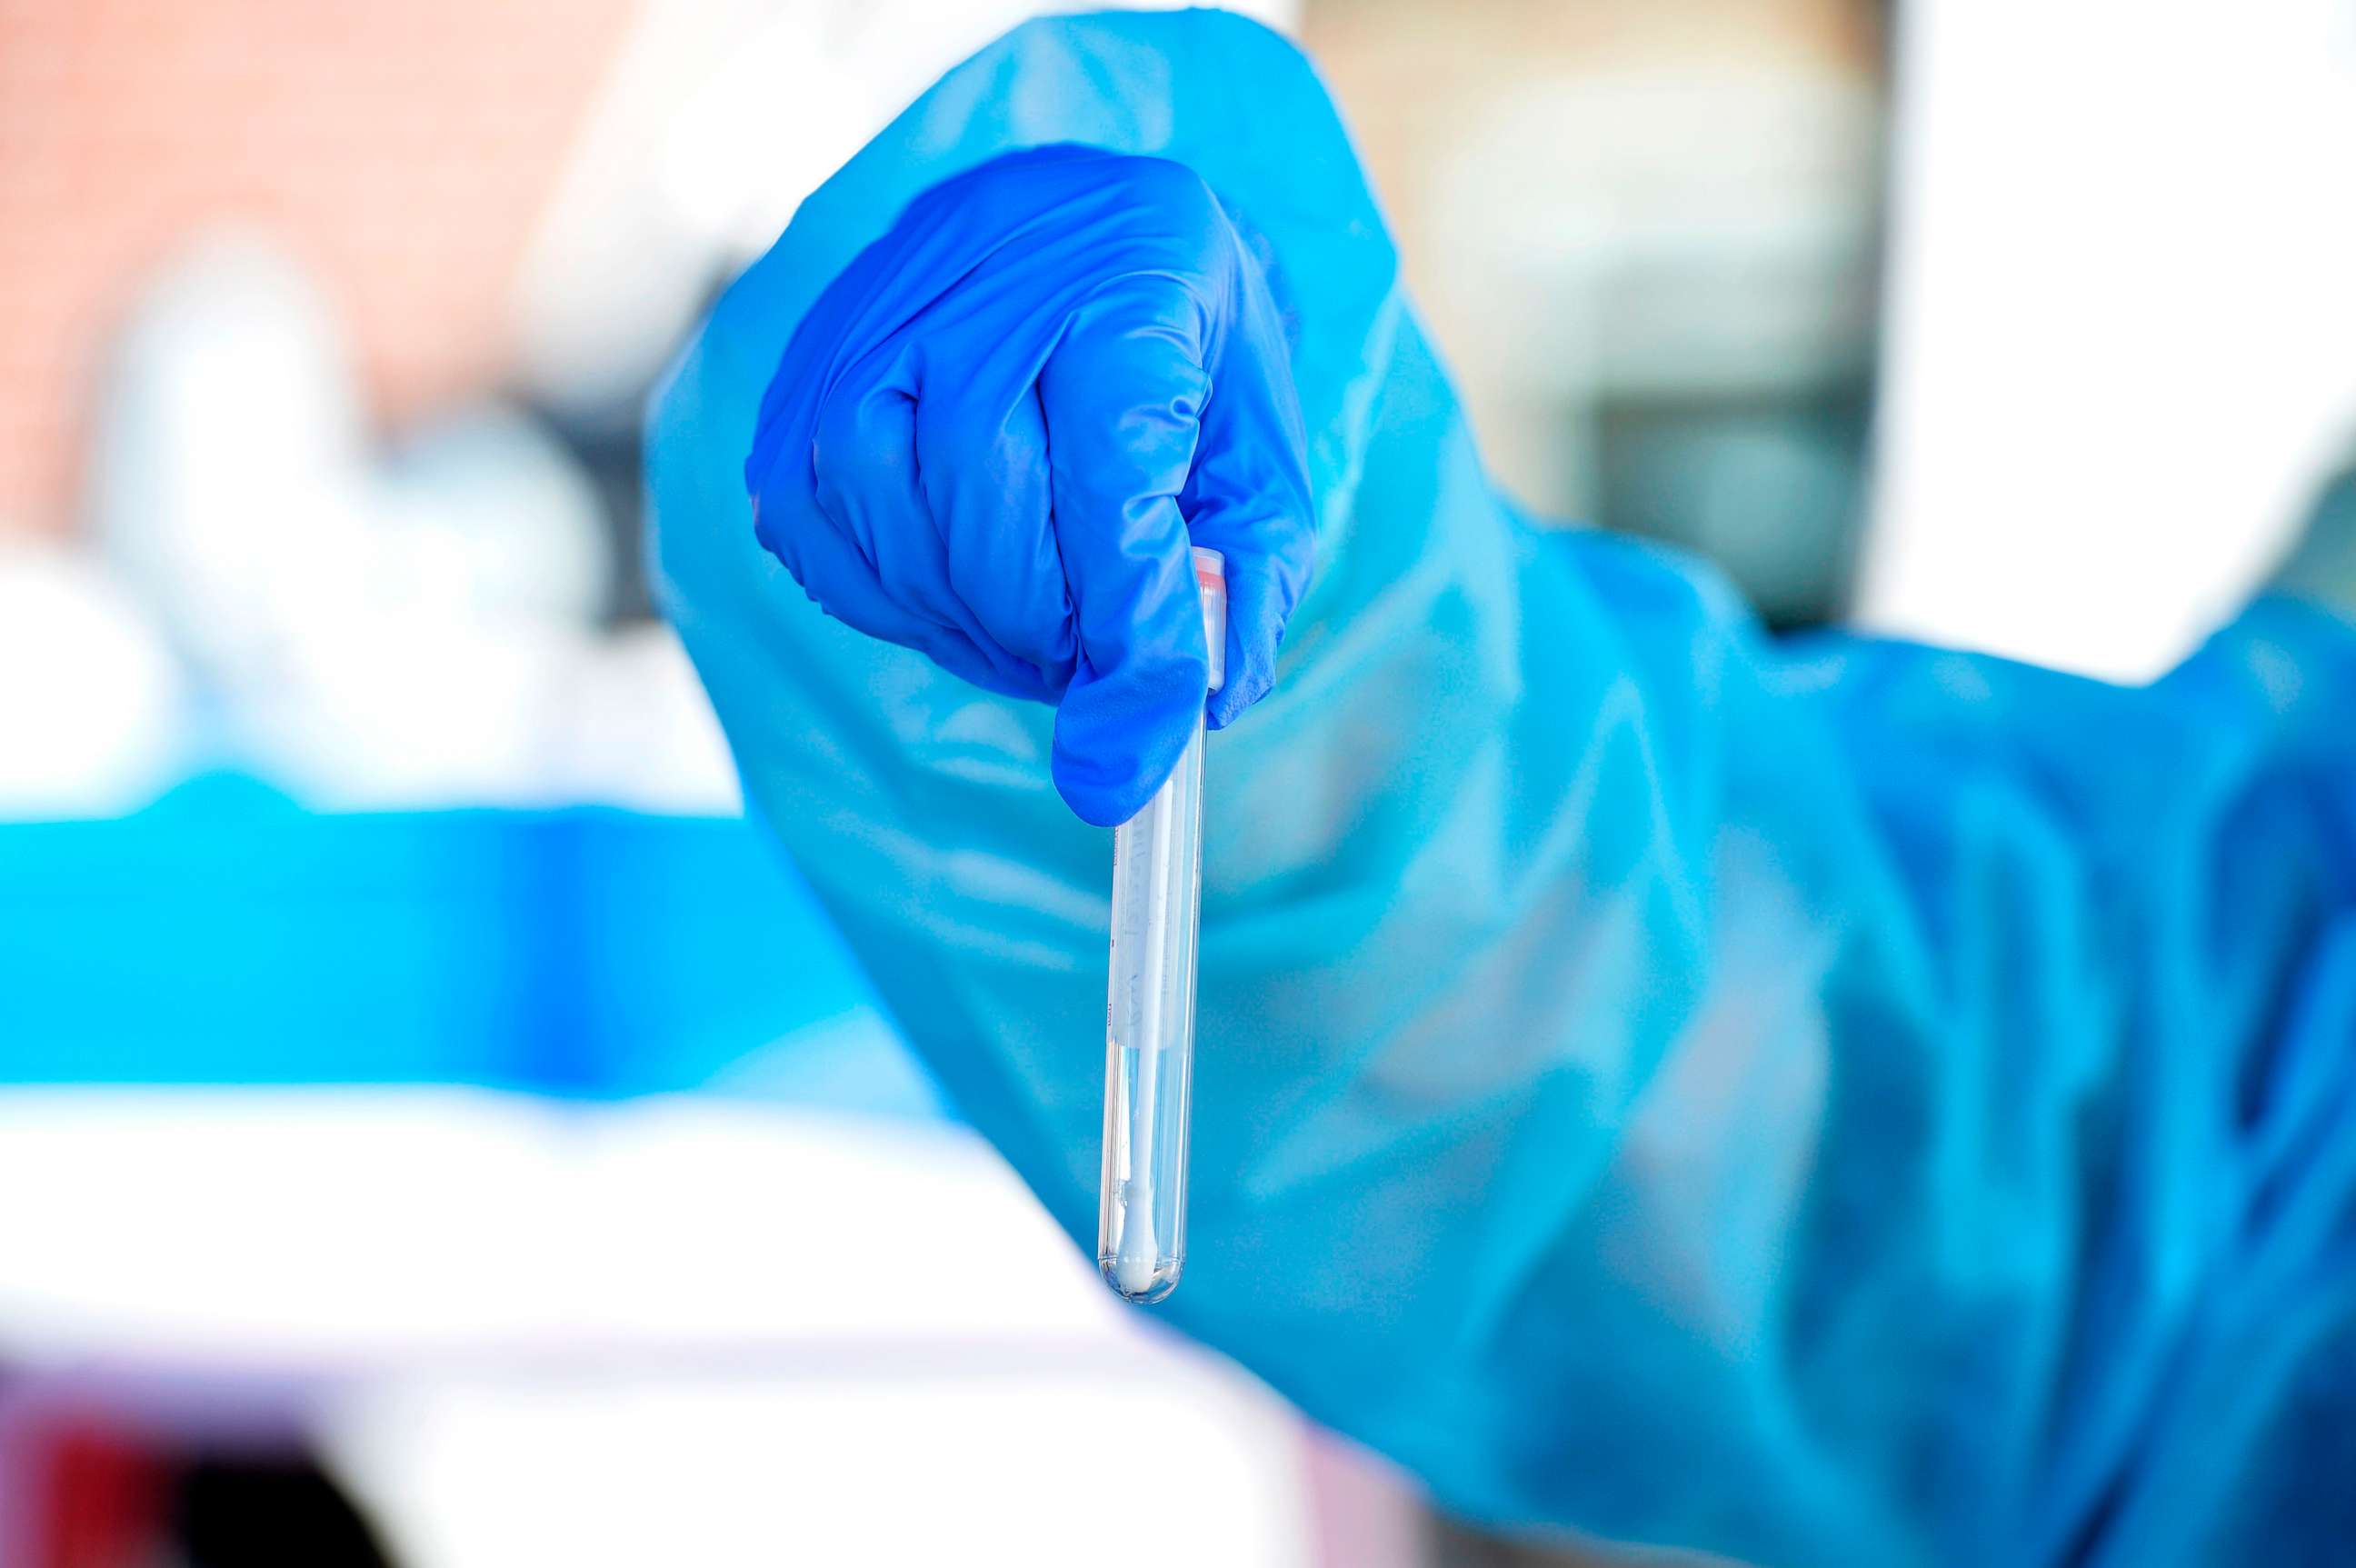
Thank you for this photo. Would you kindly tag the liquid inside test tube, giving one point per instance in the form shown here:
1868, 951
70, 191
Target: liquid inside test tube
1157, 862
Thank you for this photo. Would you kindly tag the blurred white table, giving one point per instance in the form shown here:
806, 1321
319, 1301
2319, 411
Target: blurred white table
674, 1330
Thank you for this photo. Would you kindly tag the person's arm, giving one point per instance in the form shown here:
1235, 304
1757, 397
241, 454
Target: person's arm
1834, 1102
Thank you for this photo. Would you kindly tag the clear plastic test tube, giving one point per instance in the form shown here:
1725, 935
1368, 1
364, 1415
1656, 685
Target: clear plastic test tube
1157, 885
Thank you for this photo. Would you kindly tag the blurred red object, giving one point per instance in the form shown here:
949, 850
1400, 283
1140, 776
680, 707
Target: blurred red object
99, 1497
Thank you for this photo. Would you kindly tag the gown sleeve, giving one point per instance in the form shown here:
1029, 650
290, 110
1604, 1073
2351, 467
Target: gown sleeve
1816, 1103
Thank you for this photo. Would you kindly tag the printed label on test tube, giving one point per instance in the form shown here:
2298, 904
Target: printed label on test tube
1157, 866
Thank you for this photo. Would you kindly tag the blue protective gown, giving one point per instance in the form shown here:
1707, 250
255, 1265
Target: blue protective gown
1832, 1103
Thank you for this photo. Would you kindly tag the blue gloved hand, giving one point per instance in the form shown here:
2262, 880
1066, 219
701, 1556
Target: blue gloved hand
996, 432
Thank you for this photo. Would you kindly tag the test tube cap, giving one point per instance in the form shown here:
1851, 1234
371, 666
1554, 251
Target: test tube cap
1211, 579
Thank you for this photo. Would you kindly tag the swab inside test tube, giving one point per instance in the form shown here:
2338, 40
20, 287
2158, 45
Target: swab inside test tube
1157, 865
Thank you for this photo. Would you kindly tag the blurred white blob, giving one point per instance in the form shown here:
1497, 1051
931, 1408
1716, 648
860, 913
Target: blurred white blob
637, 730
2122, 352
91, 710
417, 632
225, 461
483, 517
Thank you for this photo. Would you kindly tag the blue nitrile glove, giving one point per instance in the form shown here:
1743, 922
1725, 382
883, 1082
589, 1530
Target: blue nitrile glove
997, 431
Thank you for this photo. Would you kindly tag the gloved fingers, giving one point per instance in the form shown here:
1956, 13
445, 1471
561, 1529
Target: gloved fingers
1122, 395
981, 462
1139, 688
868, 485
1247, 496
1262, 589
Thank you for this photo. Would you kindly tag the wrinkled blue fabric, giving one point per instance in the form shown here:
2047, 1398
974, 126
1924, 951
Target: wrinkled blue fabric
1821, 1102
995, 434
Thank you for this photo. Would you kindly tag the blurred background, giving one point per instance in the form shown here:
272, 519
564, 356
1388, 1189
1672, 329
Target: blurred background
435, 1130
